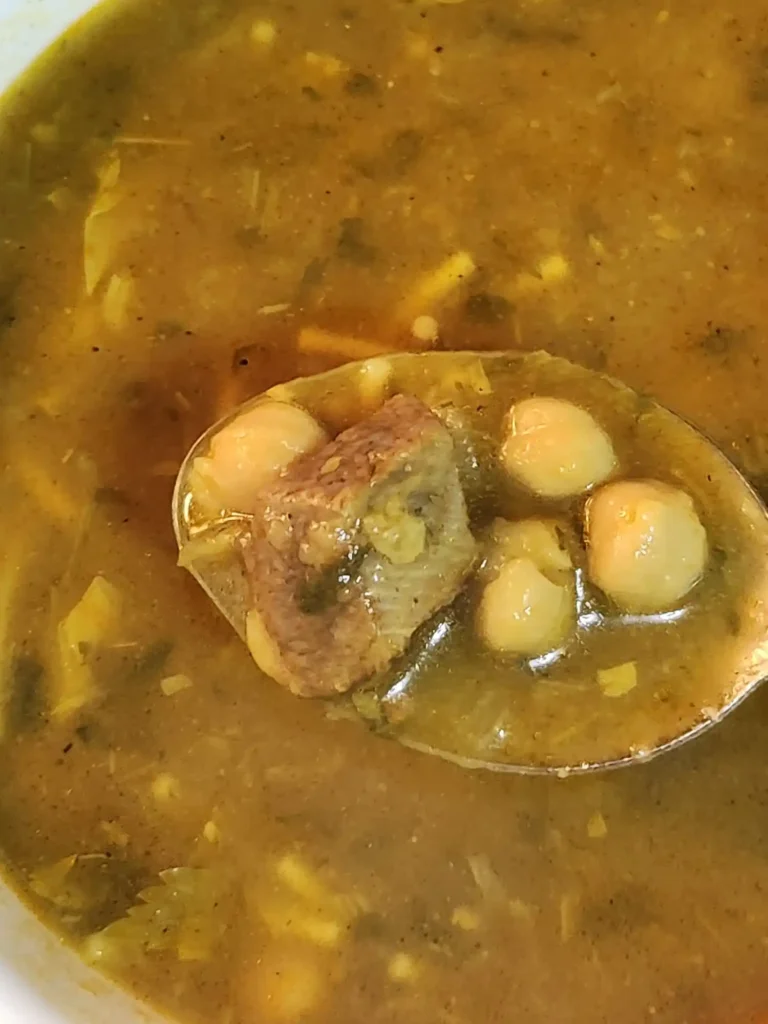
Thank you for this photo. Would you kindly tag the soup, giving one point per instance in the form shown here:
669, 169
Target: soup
200, 202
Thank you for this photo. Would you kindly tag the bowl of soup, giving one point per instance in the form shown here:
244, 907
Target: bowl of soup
200, 202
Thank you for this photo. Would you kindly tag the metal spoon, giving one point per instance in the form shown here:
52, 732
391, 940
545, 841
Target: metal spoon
446, 697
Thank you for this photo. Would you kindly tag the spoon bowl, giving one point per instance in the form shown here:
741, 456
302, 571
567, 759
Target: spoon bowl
681, 670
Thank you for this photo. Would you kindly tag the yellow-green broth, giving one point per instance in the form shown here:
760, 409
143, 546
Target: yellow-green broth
603, 165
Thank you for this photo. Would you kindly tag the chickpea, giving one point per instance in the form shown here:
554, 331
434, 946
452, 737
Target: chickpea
252, 450
523, 612
536, 539
646, 544
555, 448
263, 648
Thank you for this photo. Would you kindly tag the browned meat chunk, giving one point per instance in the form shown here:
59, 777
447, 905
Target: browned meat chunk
353, 548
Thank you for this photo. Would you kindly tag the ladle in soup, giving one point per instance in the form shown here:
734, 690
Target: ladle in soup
503, 559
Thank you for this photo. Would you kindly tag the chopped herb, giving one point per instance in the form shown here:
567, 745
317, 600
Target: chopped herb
83, 888
368, 705
626, 909
717, 557
113, 79
137, 394
248, 236
595, 357
758, 88
111, 496
186, 914
151, 660
85, 733
405, 149
428, 927
733, 621
359, 84
351, 245
116, 835
320, 592
516, 30
370, 925
51, 882
89, 626
395, 532
27, 701
7, 303
486, 308
313, 275
418, 503
167, 329
720, 340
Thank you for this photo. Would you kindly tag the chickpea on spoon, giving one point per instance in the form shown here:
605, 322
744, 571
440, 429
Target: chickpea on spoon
503, 559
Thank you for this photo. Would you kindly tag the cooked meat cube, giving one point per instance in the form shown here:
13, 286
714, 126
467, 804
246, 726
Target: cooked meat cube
354, 547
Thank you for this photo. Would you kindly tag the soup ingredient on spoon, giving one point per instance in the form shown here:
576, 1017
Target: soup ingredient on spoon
353, 547
251, 450
351, 568
524, 612
527, 606
555, 448
536, 539
646, 544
